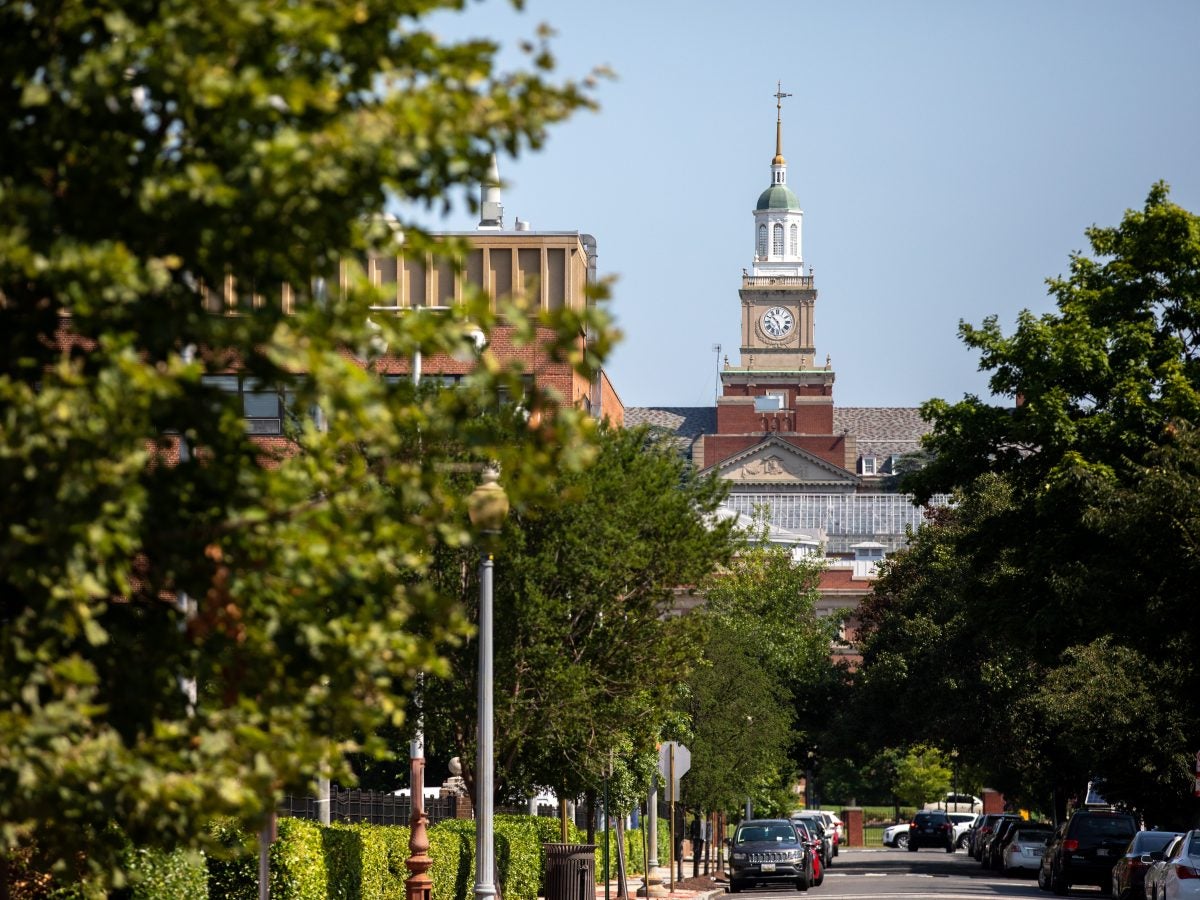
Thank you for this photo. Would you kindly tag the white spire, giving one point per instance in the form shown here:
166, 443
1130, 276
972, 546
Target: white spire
491, 210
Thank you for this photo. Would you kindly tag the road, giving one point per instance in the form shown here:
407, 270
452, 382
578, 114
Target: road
867, 874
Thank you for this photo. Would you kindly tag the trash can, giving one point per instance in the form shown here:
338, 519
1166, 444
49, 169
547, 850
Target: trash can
570, 871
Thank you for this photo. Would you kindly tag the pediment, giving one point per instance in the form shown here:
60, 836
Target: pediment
776, 462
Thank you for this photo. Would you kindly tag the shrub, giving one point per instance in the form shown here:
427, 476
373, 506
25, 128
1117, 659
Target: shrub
155, 875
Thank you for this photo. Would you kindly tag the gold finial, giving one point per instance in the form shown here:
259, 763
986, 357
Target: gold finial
779, 95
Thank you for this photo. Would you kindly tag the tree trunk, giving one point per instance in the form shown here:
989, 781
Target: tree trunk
590, 801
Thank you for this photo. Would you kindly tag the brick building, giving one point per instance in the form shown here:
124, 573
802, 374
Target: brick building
555, 266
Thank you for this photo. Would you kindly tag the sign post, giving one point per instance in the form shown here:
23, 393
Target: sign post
674, 760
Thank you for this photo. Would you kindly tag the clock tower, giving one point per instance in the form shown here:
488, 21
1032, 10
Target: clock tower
778, 386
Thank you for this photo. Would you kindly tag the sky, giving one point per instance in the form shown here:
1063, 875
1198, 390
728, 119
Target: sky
948, 157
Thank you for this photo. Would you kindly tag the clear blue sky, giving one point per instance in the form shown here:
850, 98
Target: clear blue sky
948, 157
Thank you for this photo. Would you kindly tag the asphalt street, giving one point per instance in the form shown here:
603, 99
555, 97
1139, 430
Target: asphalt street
863, 874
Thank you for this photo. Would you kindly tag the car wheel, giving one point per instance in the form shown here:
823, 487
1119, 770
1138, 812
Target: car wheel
901, 842
950, 847
962, 842
802, 882
1041, 878
912, 848
1058, 884
735, 887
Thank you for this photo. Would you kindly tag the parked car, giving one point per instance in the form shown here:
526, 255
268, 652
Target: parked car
817, 871
1177, 877
768, 851
931, 828
1158, 867
982, 830
962, 825
1025, 848
1129, 874
822, 830
992, 856
988, 838
839, 829
1085, 848
957, 803
896, 836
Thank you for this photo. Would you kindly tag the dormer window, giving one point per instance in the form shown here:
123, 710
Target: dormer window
869, 465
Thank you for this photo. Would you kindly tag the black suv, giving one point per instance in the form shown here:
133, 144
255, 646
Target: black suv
768, 851
1085, 848
931, 828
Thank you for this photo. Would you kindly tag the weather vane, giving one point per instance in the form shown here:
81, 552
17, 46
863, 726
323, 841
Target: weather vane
779, 95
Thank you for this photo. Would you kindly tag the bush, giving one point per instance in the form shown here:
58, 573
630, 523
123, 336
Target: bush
155, 875
309, 862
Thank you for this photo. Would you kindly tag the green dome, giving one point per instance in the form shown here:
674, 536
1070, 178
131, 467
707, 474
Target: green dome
778, 196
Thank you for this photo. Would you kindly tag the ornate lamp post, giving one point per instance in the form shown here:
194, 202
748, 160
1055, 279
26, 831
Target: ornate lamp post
487, 507
419, 885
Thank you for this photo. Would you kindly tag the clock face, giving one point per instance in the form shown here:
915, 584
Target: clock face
777, 321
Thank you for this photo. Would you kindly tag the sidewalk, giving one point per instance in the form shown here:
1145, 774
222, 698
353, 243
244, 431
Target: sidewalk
680, 893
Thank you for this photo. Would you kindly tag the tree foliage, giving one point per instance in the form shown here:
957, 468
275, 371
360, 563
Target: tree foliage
1025, 625
765, 645
921, 775
150, 152
587, 660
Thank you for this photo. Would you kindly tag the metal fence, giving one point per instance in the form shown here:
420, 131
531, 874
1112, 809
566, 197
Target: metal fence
374, 807
378, 808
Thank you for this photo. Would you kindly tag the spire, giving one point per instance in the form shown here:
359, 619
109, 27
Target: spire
491, 210
779, 95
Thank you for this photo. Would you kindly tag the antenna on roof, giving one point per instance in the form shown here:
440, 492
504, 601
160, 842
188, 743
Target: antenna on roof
717, 389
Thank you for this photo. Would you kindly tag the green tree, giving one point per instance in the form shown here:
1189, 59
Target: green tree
922, 775
588, 661
151, 150
765, 645
1057, 557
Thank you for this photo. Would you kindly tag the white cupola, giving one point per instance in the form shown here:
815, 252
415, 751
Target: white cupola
778, 219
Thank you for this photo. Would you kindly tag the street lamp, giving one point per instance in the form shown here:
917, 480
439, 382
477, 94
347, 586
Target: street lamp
487, 506
954, 765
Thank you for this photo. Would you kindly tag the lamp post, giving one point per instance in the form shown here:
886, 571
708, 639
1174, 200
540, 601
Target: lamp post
954, 766
487, 506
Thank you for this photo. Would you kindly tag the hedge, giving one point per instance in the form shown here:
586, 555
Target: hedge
353, 862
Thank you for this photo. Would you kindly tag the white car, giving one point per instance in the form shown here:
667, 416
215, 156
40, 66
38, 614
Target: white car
963, 822
1175, 878
1026, 848
896, 836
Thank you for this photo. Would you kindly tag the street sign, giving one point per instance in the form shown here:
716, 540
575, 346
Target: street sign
683, 762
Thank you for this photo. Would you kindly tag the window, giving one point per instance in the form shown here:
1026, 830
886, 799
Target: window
777, 241
768, 403
762, 240
868, 465
504, 397
264, 408
439, 380
795, 241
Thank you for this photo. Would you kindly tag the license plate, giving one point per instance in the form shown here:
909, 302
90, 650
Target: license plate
1102, 852
768, 867
1037, 851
